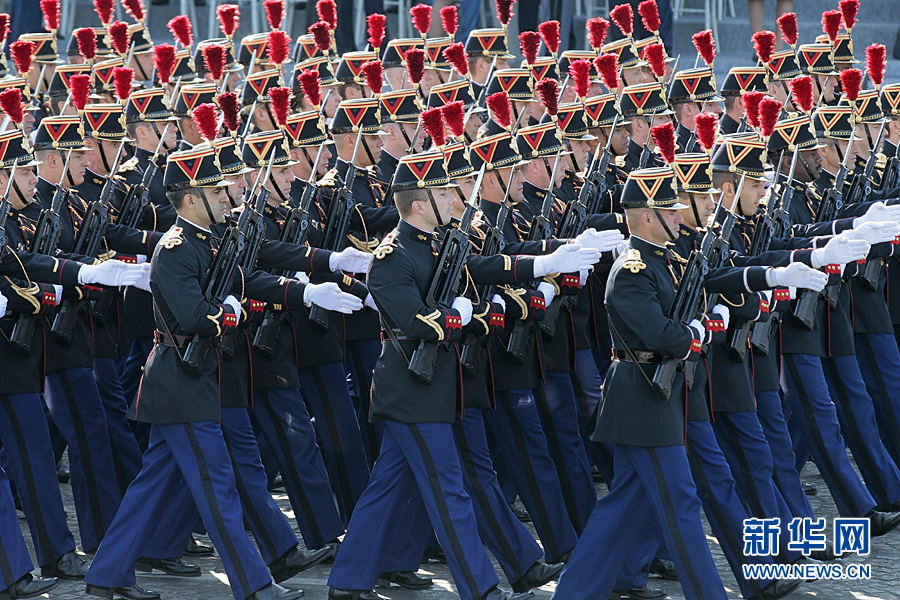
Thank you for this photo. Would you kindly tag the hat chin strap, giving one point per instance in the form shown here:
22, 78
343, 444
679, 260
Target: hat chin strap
664, 226
277, 189
437, 214
230, 198
694, 210
209, 211
144, 76
22, 197
103, 157
803, 162
365, 146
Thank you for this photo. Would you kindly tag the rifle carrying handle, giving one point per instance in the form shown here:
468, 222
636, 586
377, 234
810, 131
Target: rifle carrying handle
266, 337
195, 356
63, 328
318, 317
805, 308
421, 364
518, 341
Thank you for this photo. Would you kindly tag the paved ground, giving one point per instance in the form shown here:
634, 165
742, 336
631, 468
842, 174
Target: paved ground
212, 585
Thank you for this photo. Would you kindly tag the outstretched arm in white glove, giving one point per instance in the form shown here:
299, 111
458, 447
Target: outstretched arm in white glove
350, 260
797, 275
110, 272
874, 232
330, 297
878, 212
604, 241
569, 258
839, 251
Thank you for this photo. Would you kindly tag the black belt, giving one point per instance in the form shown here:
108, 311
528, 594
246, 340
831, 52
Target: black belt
398, 335
642, 356
175, 341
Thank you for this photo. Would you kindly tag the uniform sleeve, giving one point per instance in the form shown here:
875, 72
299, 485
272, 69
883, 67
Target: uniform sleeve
291, 257
25, 299
523, 304
604, 221
393, 286
537, 248
39, 267
264, 287
131, 241
384, 218
500, 269
736, 280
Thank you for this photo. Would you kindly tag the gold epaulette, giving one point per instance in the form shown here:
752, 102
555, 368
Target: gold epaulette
329, 179
364, 245
172, 238
386, 246
633, 261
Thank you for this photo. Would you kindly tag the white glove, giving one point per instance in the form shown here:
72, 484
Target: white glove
143, 283
141, 258
582, 277
568, 258
370, 302
234, 304
723, 312
330, 297
350, 260
797, 275
874, 232
768, 295
301, 277
619, 249
699, 330
498, 299
792, 293
604, 241
878, 212
839, 251
3, 302
547, 291
110, 272
463, 306
59, 292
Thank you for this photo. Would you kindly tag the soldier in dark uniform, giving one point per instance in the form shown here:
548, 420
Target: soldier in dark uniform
190, 96
738, 81
399, 115
645, 106
693, 92
488, 51
187, 454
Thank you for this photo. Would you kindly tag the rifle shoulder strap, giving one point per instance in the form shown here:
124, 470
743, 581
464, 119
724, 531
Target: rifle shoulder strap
394, 341
630, 354
168, 332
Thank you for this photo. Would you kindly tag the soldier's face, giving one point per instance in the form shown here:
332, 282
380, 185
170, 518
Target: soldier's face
579, 157
218, 202
466, 185
635, 76
280, 179
528, 111
237, 188
672, 219
77, 166
374, 144
813, 161
25, 180
331, 103
827, 84
324, 157
752, 194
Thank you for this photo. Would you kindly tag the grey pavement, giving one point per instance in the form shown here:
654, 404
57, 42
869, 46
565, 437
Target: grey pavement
213, 583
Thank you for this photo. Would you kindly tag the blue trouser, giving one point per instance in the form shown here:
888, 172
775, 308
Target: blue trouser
327, 397
649, 481
130, 376
784, 472
14, 559
126, 452
77, 410
359, 361
28, 458
282, 419
879, 364
856, 412
523, 450
559, 416
191, 455
724, 510
588, 385
808, 394
415, 457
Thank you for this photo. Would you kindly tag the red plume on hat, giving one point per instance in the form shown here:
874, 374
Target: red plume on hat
215, 57
123, 77
228, 102
454, 116
135, 8
705, 45
580, 72
851, 79
281, 104
831, 24
11, 104
608, 67
119, 36
623, 17
655, 54
87, 42
529, 42
787, 23
278, 46
875, 57
4, 27
327, 11
50, 8
415, 64
274, 12
164, 60
311, 86
450, 20
376, 23
229, 18
22, 53
104, 10
206, 116
550, 34
597, 30
434, 125
421, 18
504, 11
802, 93
500, 108
547, 90
751, 100
649, 12
80, 85
456, 55
764, 44
321, 35
373, 71
182, 30
664, 138
769, 111
849, 9
705, 125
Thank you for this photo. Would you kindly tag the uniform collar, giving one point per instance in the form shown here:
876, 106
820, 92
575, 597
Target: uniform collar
191, 229
414, 233
647, 249
341, 166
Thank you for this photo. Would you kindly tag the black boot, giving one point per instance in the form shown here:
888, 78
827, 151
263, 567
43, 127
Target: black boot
405, 579
295, 561
132, 592
67, 566
170, 566
29, 587
273, 591
539, 574
195, 548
